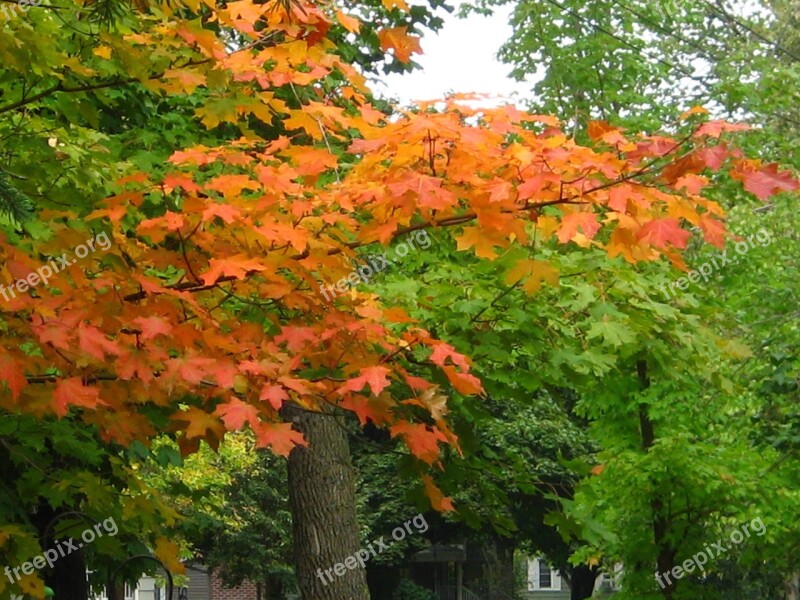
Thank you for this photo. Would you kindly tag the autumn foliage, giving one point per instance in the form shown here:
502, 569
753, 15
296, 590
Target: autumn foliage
205, 316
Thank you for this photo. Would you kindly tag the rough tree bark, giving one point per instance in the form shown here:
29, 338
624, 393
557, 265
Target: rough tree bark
502, 577
322, 498
792, 587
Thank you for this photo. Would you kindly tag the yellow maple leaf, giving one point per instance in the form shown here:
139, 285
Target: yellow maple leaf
390, 4
168, 552
31, 585
102, 52
186, 81
695, 110
534, 272
472, 236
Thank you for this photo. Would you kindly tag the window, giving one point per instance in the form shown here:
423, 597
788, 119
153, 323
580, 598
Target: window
545, 576
130, 592
609, 582
541, 576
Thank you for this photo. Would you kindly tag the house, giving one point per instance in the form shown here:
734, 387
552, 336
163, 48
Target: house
200, 584
543, 582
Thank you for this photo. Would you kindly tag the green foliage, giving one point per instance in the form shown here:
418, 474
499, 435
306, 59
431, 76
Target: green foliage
408, 590
51, 467
234, 509
364, 49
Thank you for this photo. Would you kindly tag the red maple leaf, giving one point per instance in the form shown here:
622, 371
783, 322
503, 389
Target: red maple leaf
152, 327
375, 377
235, 414
93, 342
716, 128
765, 181
661, 232
444, 351
274, 394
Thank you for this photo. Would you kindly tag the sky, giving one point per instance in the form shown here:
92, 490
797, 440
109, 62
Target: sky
460, 58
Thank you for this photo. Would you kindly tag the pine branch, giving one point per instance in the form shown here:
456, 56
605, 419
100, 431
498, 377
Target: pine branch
13, 202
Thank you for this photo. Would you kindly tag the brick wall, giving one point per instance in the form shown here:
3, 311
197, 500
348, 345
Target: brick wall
247, 591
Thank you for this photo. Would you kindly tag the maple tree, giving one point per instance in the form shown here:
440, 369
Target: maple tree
205, 315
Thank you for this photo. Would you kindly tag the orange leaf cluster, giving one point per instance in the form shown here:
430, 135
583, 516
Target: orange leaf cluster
212, 313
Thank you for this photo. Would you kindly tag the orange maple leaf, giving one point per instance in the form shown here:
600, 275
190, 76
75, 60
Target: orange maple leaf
571, 223
422, 440
477, 238
278, 436
439, 501
351, 24
713, 230
534, 272
465, 383
199, 424
13, 375
234, 266
72, 392
398, 39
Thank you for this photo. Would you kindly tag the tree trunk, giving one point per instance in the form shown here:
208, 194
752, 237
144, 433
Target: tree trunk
114, 591
322, 498
792, 587
582, 581
502, 580
666, 553
68, 576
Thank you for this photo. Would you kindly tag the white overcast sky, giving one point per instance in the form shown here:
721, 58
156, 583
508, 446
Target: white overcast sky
460, 58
